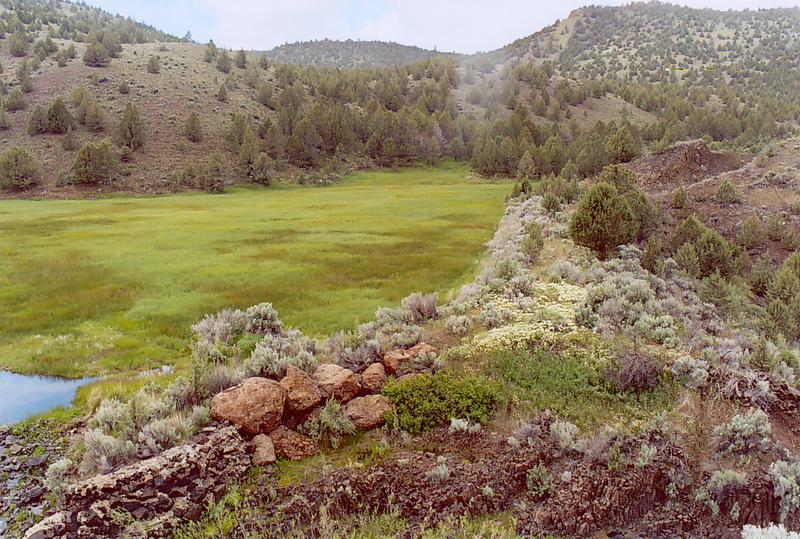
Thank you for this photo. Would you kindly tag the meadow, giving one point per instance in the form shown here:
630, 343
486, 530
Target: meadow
90, 287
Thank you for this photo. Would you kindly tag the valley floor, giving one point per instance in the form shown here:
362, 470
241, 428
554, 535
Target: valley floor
121, 280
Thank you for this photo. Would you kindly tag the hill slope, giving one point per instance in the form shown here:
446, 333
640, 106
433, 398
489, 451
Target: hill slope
350, 53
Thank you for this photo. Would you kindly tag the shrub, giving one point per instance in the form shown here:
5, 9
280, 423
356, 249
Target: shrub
533, 242
131, 128
263, 319
265, 95
687, 260
162, 434
646, 455
95, 163
462, 426
620, 177
103, 452
458, 325
715, 254
193, 130
276, 352
55, 478
96, 55
652, 254
694, 372
222, 94
37, 121
539, 481
431, 400
786, 486
330, 426
224, 62
679, 199
551, 203
90, 114
439, 473
770, 532
633, 370
421, 306
726, 194
16, 100
18, 43
689, 231
124, 88
154, 65
19, 169
751, 234
603, 220
262, 170
563, 434
744, 434
59, 118
23, 73
110, 415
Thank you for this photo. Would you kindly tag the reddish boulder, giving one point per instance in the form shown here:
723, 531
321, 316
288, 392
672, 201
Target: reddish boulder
254, 406
373, 378
301, 392
292, 445
393, 359
368, 412
337, 382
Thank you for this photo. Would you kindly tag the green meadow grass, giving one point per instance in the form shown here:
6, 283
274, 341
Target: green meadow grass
97, 286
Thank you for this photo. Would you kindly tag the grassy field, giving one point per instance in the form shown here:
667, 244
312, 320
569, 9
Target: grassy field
90, 287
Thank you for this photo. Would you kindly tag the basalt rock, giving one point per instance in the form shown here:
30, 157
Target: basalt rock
292, 445
301, 392
157, 492
368, 412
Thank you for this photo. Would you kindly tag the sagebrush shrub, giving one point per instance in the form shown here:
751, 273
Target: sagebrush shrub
103, 453
786, 486
421, 306
55, 478
744, 434
263, 319
162, 434
331, 425
458, 325
634, 370
564, 434
539, 481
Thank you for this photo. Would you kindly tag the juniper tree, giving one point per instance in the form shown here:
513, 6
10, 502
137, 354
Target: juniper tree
18, 169
603, 220
193, 130
131, 128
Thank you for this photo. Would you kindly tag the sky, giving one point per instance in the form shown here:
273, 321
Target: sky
465, 26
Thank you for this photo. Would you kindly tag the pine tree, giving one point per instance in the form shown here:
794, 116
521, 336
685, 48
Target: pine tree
95, 163
303, 146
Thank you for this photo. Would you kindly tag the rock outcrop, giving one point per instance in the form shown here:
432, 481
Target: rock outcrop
156, 492
373, 378
254, 406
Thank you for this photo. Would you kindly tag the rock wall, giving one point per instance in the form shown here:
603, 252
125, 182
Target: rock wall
683, 163
157, 492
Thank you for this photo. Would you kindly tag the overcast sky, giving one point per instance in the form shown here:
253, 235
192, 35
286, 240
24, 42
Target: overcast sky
449, 25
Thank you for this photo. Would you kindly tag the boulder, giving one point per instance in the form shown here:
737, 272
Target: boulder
373, 378
337, 382
254, 406
368, 412
263, 450
301, 392
292, 445
393, 359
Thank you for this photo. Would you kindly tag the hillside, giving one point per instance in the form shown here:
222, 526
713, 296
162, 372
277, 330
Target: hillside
349, 53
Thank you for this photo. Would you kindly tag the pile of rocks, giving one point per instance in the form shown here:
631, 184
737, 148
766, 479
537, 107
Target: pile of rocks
271, 413
150, 496
23, 460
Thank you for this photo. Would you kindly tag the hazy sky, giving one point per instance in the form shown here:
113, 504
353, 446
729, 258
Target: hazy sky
460, 25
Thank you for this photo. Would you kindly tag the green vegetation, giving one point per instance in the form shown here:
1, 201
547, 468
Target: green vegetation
428, 401
123, 279
572, 385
